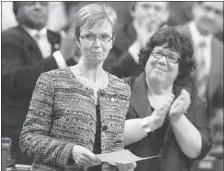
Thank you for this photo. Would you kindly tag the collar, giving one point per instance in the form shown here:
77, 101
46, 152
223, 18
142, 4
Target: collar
196, 35
34, 32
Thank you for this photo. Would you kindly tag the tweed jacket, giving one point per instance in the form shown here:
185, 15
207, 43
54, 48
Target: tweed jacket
62, 114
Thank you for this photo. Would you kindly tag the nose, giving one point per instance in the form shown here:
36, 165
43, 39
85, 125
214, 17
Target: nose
151, 11
163, 60
97, 42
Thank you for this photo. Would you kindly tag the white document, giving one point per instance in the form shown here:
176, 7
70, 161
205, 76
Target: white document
121, 156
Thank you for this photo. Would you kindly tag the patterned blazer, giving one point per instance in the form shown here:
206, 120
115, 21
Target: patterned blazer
62, 114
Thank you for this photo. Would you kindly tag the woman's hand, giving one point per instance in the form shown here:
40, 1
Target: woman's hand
180, 105
157, 118
126, 167
84, 157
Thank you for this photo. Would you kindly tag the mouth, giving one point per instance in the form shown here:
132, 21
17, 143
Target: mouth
161, 69
96, 53
38, 16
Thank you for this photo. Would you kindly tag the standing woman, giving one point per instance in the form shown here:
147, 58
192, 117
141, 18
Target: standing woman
79, 111
165, 118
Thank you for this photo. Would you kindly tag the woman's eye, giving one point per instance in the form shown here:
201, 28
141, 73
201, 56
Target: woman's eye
105, 37
89, 36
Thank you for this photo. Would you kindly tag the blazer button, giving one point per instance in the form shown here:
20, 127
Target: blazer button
104, 127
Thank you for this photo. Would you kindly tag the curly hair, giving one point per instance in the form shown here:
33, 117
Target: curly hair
175, 41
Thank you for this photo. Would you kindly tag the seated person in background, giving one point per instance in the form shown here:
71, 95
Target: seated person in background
79, 111
165, 118
28, 50
147, 18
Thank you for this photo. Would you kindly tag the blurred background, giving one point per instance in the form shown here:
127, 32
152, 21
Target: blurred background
65, 12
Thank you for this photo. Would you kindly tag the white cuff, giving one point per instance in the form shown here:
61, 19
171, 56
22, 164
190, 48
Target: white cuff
59, 59
134, 50
145, 125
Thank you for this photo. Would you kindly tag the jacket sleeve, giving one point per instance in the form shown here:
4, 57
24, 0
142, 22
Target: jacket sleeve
34, 139
197, 114
18, 73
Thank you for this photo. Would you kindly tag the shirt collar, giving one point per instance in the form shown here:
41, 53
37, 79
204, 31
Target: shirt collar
196, 35
34, 32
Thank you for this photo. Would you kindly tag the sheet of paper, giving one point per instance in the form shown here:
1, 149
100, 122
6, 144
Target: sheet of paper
121, 156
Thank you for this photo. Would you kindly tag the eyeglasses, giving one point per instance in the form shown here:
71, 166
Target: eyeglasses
92, 37
171, 58
210, 9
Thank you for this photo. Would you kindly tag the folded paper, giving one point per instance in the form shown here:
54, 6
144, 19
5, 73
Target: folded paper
121, 156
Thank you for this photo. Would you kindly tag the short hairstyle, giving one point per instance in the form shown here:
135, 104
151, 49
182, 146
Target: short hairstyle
91, 14
175, 41
15, 7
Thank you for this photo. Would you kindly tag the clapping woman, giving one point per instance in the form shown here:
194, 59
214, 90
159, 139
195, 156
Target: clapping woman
165, 118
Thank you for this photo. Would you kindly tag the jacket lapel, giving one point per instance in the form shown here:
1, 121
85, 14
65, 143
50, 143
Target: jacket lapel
54, 40
30, 45
139, 99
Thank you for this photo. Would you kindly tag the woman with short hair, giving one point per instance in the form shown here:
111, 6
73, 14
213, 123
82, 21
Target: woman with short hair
78, 112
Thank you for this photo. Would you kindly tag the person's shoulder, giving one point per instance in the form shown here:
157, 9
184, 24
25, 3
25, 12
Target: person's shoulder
11, 34
11, 30
119, 84
117, 80
57, 74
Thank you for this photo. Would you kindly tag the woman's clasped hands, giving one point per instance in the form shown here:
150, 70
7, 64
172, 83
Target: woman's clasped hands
180, 105
175, 108
158, 116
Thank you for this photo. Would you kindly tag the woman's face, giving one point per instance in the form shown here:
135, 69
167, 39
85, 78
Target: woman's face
160, 68
96, 42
